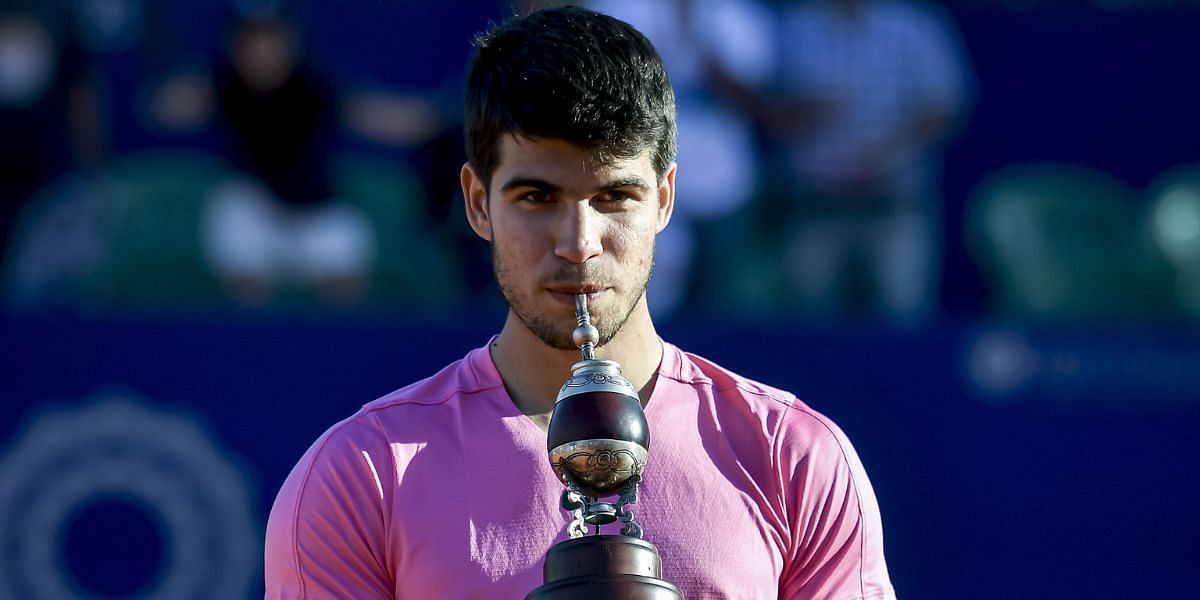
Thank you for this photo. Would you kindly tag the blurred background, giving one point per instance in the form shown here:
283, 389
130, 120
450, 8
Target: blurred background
968, 231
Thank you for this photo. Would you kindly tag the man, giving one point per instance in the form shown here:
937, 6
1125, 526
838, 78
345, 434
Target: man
278, 223
868, 93
443, 489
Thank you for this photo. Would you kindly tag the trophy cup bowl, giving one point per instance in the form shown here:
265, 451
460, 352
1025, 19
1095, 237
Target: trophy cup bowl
597, 443
598, 431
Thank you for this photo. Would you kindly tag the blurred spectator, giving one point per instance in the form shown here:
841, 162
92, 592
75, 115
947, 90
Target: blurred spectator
702, 41
137, 52
871, 88
280, 223
47, 109
1174, 224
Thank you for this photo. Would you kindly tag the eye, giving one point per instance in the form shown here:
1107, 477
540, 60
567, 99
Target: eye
615, 197
536, 197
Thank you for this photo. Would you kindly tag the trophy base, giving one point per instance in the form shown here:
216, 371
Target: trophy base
604, 567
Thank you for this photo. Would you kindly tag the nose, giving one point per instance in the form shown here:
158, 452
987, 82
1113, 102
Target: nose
579, 233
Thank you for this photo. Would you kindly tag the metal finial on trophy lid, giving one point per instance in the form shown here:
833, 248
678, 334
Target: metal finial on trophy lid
586, 336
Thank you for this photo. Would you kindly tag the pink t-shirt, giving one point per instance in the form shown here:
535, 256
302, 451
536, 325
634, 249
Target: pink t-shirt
443, 489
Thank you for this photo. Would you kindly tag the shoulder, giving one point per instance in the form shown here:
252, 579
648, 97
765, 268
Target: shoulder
369, 431
695, 370
337, 491
330, 523
793, 434
472, 374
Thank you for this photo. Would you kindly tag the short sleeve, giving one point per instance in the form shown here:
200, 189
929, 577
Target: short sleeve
836, 541
327, 533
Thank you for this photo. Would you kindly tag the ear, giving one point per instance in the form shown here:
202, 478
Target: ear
475, 199
666, 197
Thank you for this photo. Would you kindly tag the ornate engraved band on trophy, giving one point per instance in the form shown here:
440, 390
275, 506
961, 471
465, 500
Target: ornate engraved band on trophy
598, 441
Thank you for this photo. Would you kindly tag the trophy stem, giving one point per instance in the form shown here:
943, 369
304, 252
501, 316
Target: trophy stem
586, 510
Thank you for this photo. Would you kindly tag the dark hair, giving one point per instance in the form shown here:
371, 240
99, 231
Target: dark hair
572, 74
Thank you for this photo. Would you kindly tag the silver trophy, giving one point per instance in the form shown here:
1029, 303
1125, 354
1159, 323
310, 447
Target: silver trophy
598, 441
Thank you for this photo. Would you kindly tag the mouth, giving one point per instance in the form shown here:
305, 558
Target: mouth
565, 294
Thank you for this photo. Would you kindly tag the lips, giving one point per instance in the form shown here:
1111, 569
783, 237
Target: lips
576, 289
567, 293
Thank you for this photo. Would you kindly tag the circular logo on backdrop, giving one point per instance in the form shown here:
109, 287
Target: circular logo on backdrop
163, 464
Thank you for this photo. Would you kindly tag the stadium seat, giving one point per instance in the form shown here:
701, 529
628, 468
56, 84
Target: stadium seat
1064, 242
154, 203
1173, 219
126, 236
416, 267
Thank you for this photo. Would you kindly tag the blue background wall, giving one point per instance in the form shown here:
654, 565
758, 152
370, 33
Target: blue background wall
1011, 460
1077, 479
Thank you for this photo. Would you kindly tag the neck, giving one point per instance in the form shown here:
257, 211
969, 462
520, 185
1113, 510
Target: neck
534, 372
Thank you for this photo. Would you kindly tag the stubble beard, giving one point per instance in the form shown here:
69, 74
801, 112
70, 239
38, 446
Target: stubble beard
557, 334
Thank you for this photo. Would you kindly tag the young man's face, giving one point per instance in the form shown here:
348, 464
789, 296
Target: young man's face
560, 224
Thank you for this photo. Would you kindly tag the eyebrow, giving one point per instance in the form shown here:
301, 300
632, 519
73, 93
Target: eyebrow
543, 185
528, 182
635, 182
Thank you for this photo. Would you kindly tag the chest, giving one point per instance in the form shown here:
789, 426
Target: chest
474, 518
